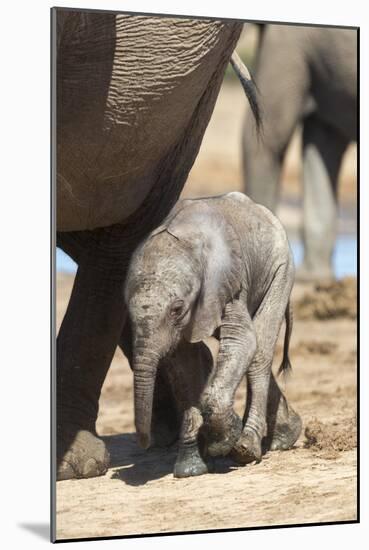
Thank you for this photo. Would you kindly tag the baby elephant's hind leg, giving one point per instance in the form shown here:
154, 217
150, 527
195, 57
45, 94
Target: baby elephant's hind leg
264, 396
248, 447
187, 372
283, 423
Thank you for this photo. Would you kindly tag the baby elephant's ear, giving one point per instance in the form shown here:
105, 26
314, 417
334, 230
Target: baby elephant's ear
167, 221
221, 275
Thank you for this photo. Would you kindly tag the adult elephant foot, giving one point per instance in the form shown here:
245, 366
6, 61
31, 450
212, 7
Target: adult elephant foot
86, 344
284, 425
81, 455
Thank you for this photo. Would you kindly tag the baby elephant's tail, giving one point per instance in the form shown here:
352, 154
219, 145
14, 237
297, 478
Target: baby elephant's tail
286, 364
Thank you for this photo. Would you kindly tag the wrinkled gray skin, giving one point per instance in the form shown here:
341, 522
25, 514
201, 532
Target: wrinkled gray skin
216, 266
305, 75
134, 97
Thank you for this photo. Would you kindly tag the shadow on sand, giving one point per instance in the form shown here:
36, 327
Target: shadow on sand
135, 466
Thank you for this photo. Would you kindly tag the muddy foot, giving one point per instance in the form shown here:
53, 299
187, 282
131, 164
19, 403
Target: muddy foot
87, 456
189, 462
221, 435
247, 449
285, 435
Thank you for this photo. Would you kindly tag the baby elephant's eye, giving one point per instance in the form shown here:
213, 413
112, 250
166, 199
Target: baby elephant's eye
176, 309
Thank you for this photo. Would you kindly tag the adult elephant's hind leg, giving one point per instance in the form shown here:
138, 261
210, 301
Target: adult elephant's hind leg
283, 423
86, 343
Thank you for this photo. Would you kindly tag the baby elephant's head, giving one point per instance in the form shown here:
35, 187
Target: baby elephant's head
177, 285
161, 290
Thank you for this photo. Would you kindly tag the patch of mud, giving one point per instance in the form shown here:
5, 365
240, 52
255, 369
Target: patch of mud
327, 440
329, 300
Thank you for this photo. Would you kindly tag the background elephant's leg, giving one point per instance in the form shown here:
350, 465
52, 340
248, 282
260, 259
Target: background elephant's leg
165, 422
261, 168
267, 322
86, 343
323, 151
188, 370
283, 81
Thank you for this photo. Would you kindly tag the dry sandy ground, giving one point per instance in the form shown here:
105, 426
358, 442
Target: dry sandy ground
303, 485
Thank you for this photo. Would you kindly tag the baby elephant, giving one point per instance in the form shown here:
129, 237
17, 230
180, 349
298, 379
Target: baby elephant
217, 266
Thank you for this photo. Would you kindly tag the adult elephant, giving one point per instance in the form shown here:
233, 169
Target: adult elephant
134, 97
305, 75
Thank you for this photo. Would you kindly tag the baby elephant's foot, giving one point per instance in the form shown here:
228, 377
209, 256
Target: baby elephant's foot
189, 462
248, 448
286, 434
222, 433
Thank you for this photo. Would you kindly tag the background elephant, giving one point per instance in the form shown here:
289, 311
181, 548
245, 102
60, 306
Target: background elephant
305, 75
220, 265
134, 97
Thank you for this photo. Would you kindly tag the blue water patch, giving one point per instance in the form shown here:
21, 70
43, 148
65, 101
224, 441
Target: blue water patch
64, 262
344, 257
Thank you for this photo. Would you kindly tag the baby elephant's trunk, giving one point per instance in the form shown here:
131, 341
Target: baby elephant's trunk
145, 365
286, 366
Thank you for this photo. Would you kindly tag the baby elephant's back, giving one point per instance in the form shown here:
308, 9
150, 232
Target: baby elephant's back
264, 244
258, 228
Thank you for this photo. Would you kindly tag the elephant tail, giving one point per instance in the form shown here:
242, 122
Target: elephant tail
286, 366
249, 87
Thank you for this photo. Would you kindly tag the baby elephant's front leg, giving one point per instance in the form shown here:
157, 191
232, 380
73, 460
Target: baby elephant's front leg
189, 460
222, 426
187, 371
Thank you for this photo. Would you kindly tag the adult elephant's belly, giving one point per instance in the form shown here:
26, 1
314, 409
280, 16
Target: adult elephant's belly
135, 132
